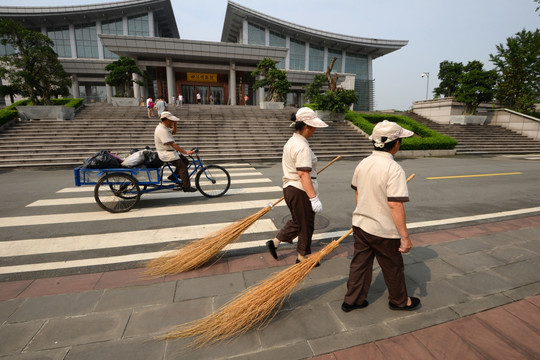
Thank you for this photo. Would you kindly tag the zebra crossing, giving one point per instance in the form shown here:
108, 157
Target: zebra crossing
70, 234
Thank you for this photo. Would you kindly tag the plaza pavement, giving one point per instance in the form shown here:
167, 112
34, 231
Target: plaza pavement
479, 286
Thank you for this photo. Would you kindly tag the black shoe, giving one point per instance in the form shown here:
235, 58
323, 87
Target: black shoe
346, 307
318, 264
189, 189
414, 303
173, 178
271, 248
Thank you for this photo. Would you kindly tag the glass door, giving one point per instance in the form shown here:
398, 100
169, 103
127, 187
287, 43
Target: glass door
187, 93
203, 91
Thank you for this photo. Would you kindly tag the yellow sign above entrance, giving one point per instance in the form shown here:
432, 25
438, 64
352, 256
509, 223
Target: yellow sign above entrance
201, 77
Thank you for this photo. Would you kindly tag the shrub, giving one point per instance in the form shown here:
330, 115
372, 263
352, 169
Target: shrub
424, 138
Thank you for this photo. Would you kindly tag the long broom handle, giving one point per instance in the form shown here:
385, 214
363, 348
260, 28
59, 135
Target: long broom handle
349, 232
318, 172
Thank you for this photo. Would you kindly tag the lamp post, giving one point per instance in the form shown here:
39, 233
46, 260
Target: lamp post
426, 74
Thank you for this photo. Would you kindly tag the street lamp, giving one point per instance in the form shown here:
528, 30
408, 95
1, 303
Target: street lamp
426, 74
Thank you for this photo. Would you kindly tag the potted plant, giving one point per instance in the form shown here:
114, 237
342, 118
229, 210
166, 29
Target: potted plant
274, 80
121, 75
332, 104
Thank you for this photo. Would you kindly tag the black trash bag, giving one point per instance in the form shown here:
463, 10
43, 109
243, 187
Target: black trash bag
102, 160
151, 160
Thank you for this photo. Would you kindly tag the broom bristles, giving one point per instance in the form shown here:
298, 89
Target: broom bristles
198, 252
256, 305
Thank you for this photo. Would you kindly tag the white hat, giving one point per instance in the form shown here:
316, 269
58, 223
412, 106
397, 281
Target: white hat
390, 130
169, 116
309, 117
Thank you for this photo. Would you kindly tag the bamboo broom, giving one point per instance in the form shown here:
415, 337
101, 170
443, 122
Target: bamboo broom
198, 252
256, 305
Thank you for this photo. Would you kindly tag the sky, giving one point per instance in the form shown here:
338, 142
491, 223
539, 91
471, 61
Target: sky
437, 30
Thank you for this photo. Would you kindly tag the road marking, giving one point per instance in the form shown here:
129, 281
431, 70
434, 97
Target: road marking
469, 176
156, 195
132, 214
120, 239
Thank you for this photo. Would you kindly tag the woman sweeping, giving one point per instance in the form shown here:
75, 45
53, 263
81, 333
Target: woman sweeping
300, 188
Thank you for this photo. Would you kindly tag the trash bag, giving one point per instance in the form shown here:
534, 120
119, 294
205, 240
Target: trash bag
151, 160
135, 159
102, 160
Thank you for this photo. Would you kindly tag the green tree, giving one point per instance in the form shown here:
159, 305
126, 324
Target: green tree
449, 73
272, 78
475, 86
518, 68
121, 75
314, 89
33, 69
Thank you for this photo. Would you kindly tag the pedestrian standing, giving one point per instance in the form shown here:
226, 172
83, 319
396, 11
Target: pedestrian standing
379, 227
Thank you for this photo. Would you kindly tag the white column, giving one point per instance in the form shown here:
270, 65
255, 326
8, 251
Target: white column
288, 57
325, 61
108, 89
125, 25
136, 87
151, 29
266, 37
170, 80
343, 61
101, 54
232, 84
75, 86
244, 39
306, 57
72, 42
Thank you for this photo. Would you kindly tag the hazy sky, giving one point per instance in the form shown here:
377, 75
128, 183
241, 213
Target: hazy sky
437, 30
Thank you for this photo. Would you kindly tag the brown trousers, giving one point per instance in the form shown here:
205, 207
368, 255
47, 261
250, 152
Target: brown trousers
302, 222
366, 248
181, 170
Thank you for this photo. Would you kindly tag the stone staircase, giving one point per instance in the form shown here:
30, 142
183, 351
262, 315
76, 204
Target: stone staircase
483, 139
222, 133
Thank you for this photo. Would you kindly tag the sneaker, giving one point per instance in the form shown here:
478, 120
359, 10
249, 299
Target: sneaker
346, 307
414, 304
189, 189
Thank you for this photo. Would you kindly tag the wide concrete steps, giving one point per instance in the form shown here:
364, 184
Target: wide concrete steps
222, 133
483, 139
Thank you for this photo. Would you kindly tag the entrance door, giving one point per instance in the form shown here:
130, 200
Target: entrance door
217, 93
203, 91
187, 93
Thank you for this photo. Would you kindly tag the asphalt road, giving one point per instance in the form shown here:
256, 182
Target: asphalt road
58, 229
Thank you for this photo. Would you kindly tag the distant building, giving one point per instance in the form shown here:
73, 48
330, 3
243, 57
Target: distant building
88, 37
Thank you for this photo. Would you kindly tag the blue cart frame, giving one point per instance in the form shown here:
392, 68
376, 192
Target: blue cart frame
120, 189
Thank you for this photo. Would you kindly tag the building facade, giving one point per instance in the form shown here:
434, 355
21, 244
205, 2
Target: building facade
89, 37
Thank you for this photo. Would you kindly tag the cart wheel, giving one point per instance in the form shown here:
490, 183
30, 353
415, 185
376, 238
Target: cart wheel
117, 192
213, 181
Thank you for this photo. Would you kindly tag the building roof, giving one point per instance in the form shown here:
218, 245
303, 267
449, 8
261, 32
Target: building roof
236, 13
35, 17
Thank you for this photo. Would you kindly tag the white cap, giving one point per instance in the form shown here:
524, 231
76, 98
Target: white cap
309, 117
169, 116
390, 130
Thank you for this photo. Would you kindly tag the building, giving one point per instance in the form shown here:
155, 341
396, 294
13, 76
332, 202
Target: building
89, 37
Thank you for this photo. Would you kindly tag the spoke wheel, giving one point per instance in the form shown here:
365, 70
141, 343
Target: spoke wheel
117, 192
213, 181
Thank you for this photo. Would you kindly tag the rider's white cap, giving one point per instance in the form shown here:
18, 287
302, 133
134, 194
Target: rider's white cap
168, 115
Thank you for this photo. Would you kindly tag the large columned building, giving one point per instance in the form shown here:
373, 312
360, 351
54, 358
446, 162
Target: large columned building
89, 37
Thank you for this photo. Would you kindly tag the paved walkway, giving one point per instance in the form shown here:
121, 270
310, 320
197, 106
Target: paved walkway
479, 287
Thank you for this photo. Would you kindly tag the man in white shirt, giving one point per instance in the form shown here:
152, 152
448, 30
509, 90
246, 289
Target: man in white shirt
169, 151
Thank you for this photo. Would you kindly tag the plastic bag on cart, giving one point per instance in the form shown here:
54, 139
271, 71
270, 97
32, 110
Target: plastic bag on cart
151, 160
102, 160
135, 159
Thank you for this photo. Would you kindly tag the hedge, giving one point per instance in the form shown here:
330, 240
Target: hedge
424, 138
10, 112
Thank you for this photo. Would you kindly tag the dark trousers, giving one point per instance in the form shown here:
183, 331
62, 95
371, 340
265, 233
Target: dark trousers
181, 170
366, 248
302, 222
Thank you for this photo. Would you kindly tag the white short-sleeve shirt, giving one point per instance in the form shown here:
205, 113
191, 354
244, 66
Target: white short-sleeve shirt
162, 138
378, 179
297, 155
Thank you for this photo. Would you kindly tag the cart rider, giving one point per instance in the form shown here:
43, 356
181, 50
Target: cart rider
169, 151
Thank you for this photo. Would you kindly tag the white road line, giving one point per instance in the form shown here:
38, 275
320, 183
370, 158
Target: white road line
133, 214
156, 195
120, 239
90, 188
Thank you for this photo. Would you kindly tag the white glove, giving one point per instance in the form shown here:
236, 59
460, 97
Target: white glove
316, 204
